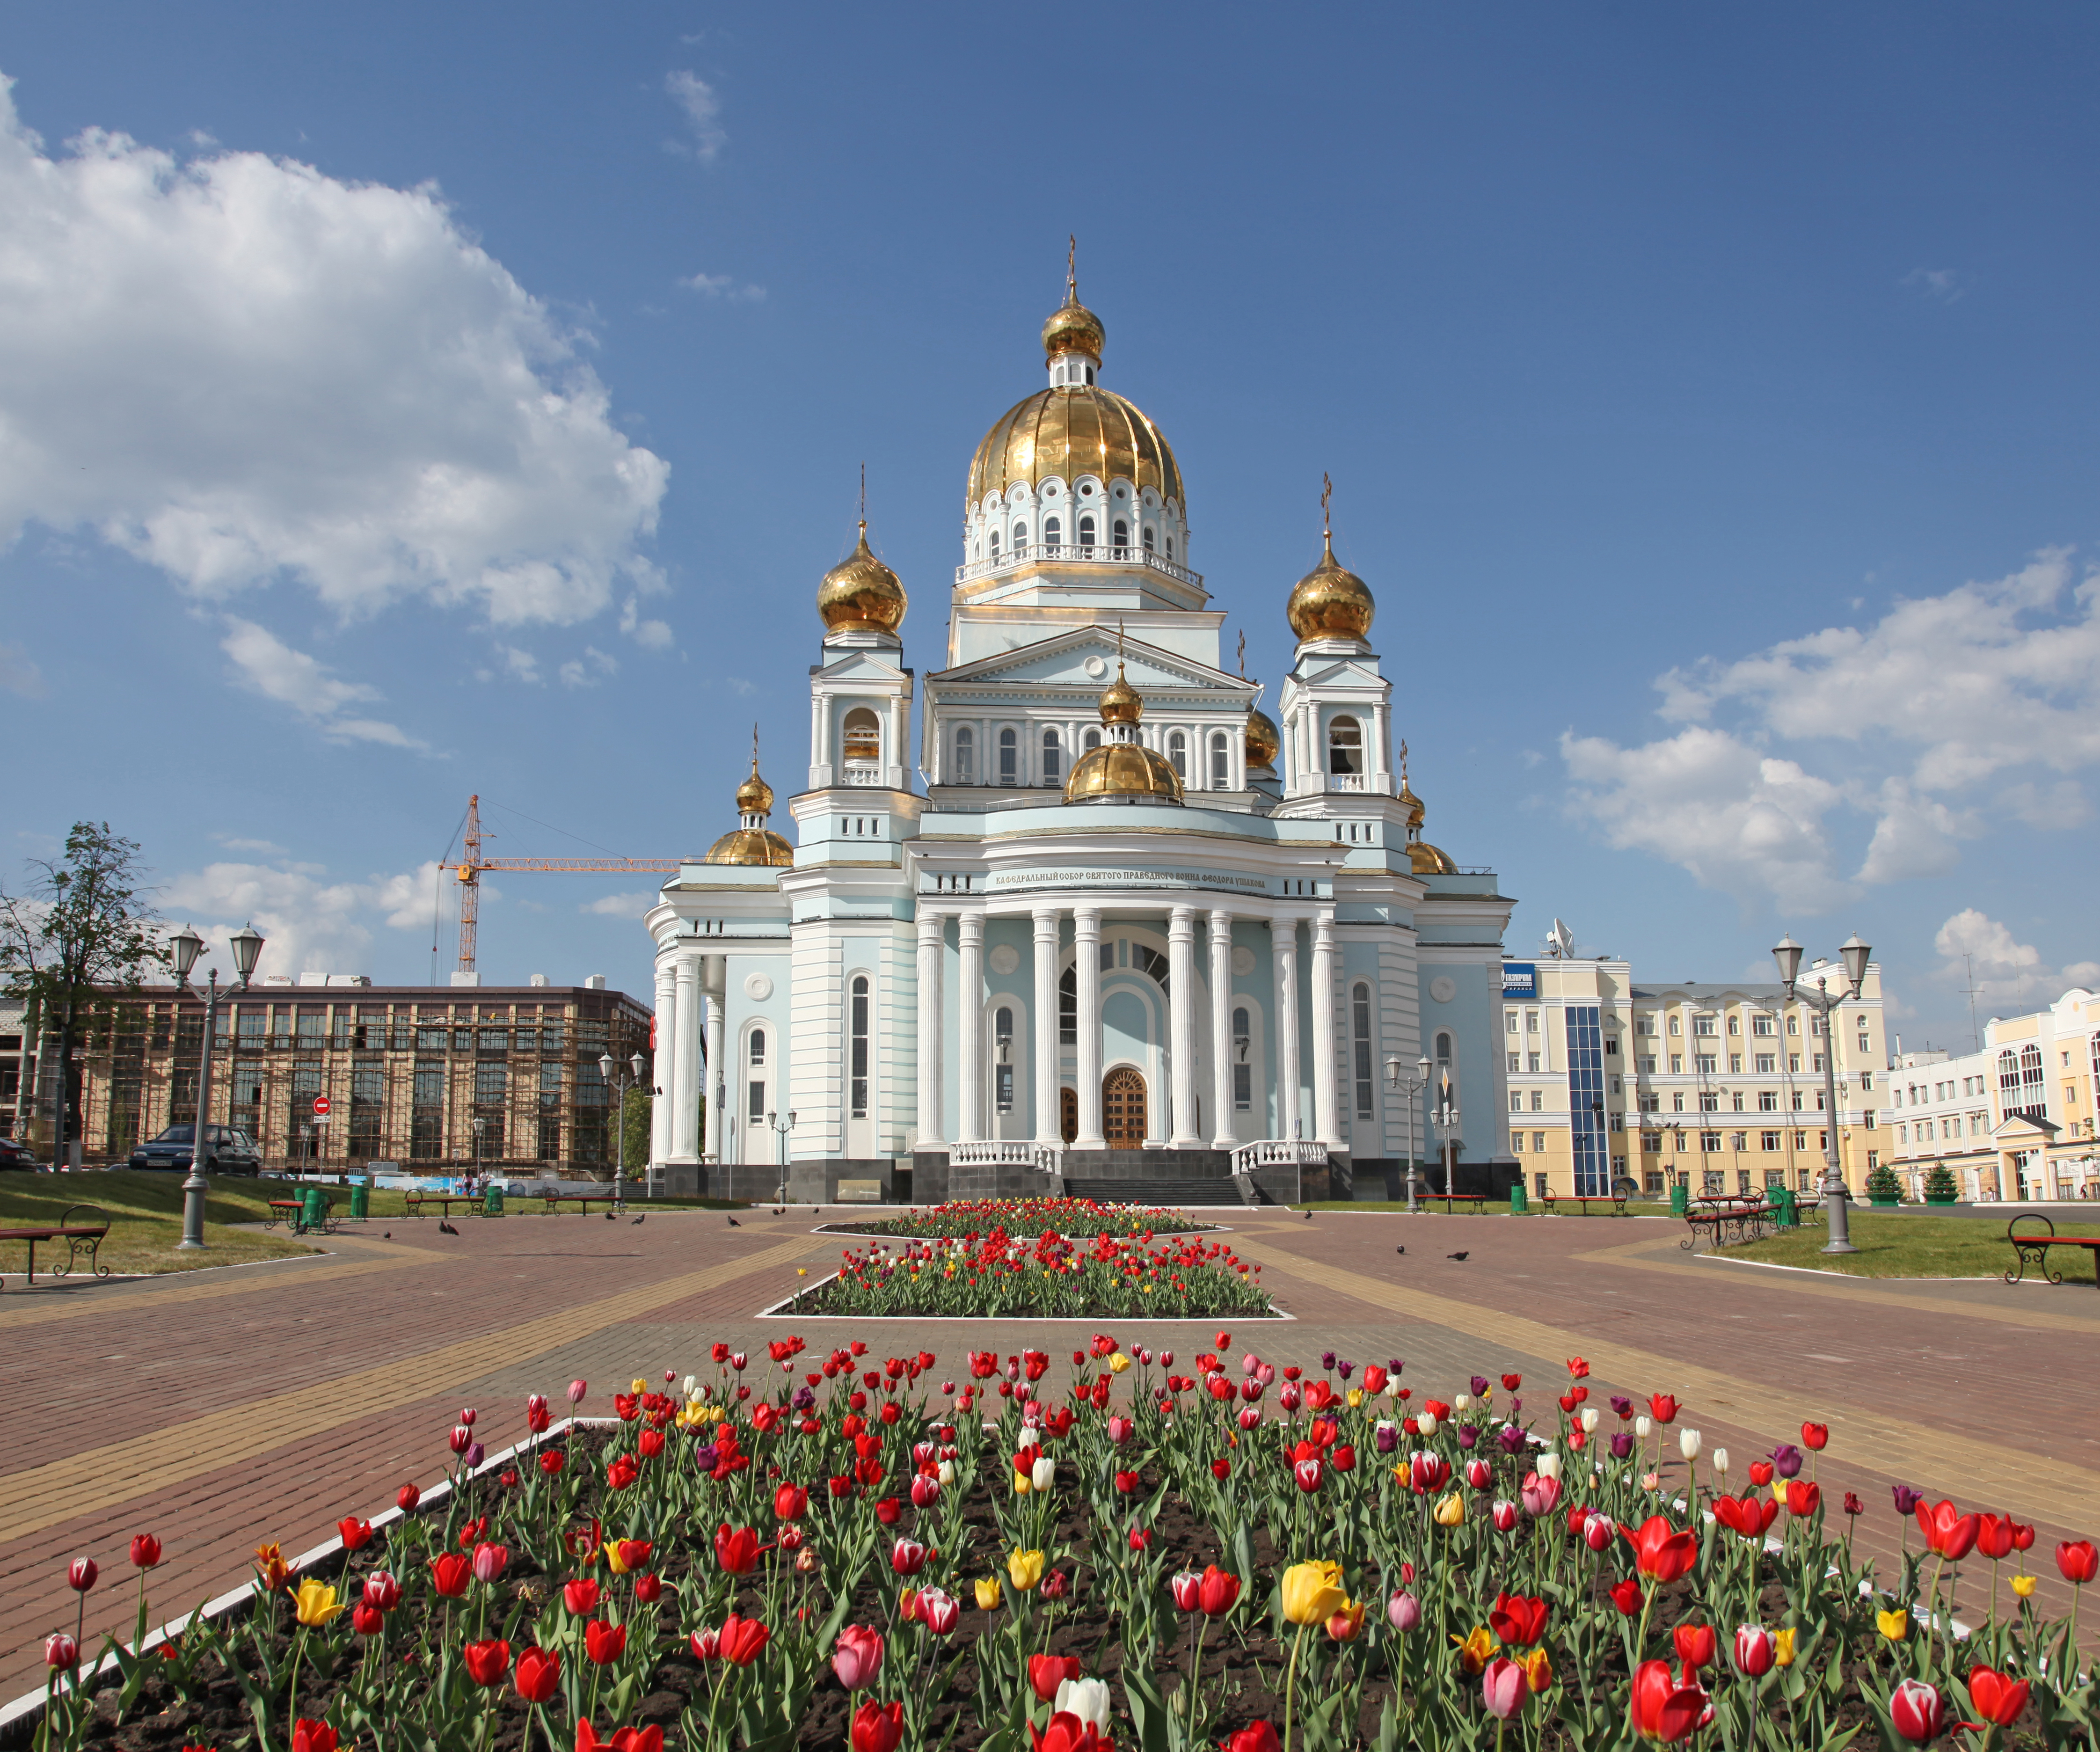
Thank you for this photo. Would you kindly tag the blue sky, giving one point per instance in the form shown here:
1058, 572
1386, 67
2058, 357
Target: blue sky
396, 402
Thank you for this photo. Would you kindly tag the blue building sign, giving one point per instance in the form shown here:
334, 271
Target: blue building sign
1519, 979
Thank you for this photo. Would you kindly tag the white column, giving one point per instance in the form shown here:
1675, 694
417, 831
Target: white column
969, 1028
686, 1051
1283, 938
1181, 1025
714, 979
1087, 958
931, 927
1326, 1118
663, 1072
1048, 1132
1222, 1137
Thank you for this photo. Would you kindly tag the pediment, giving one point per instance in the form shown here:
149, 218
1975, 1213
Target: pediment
862, 666
1349, 673
1060, 662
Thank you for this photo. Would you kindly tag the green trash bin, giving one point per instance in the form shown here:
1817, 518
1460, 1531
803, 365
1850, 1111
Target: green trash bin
1789, 1213
314, 1216
1680, 1199
491, 1201
1518, 1204
360, 1200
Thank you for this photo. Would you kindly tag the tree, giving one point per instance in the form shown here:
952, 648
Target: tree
86, 921
1940, 1181
1882, 1183
635, 1127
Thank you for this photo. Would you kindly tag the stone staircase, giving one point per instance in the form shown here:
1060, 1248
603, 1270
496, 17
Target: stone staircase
1178, 1194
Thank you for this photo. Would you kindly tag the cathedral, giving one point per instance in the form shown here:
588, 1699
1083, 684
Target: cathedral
1108, 929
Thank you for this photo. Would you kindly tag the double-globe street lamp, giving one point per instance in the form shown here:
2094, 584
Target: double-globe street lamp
781, 1124
1416, 1085
608, 1068
1824, 1002
184, 948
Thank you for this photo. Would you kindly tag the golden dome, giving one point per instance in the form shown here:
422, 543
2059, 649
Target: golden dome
1414, 809
751, 845
754, 796
1122, 767
1073, 329
1121, 704
1264, 739
860, 594
1331, 602
1428, 860
1070, 430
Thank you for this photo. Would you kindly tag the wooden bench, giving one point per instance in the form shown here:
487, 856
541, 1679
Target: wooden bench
582, 1201
2031, 1247
1617, 1201
292, 1213
81, 1226
1731, 1218
1451, 1201
444, 1202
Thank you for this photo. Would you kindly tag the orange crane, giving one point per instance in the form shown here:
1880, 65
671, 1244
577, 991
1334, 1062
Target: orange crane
470, 868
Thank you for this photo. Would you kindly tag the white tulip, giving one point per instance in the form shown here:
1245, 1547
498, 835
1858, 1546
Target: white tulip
948, 1472
1548, 1464
1426, 1422
1719, 1461
692, 1381
1086, 1698
1463, 1402
1687, 1444
1643, 1428
1045, 1469
1590, 1420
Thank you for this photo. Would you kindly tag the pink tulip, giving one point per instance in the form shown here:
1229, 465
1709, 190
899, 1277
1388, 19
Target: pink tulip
1502, 1686
1403, 1612
488, 1562
857, 1655
577, 1389
1540, 1495
1266, 1374
1121, 1429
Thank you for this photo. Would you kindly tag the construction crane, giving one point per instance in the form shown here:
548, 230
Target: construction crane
470, 867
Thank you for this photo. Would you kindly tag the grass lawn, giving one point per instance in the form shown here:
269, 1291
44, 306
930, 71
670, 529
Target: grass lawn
147, 1210
1908, 1246
1495, 1208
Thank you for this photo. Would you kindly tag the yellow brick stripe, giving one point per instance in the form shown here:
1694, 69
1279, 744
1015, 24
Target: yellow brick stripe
2046, 1488
103, 1478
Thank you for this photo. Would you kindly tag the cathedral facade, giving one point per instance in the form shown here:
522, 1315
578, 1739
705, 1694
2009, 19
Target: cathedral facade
1105, 923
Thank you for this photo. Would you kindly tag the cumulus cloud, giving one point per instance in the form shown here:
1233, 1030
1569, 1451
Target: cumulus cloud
702, 111
588, 670
2008, 974
725, 286
619, 905
1941, 283
311, 924
19, 674
1924, 722
265, 663
239, 370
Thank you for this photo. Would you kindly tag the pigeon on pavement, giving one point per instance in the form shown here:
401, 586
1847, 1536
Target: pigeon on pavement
643, 1218
1454, 1255
1399, 1250
734, 1224
445, 1227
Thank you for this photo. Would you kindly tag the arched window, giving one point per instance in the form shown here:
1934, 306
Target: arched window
1002, 1069
965, 756
1345, 746
994, 544
1054, 530
1086, 532
1068, 1007
1443, 1049
1051, 754
1148, 538
758, 1046
755, 1083
858, 1067
1093, 738
1019, 536
1177, 754
1169, 547
1242, 1070
1121, 533
1010, 757
1221, 761
863, 736
1359, 1016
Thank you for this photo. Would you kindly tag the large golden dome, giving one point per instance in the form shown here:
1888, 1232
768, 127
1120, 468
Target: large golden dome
1331, 602
860, 594
1264, 741
1123, 768
1073, 430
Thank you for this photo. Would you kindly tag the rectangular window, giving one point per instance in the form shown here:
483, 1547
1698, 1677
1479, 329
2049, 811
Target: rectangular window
1766, 1064
1739, 1140
1536, 1067
1652, 1142
1677, 1064
1515, 1062
1618, 1122
1360, 1023
1510, 1016
1648, 1064
1735, 1024
1768, 1140
1002, 1088
1761, 1024
1736, 1063
1538, 1142
1516, 1143
1242, 1088
1801, 1140
1703, 1064
755, 1106
1709, 1142
856, 1093
1538, 1101
1611, 1046
1676, 1026
1516, 1101
1703, 1025
491, 1085
1767, 1100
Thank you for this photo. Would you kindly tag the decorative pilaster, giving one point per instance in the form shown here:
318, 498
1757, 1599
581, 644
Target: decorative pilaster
1086, 959
1181, 1025
969, 1027
1049, 1130
664, 1069
1283, 936
1222, 1136
932, 930
685, 1057
1326, 1120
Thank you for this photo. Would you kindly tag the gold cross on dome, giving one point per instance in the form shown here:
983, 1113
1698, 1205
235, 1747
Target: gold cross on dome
1072, 268
1327, 493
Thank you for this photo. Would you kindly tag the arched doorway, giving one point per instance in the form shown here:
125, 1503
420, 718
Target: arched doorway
1123, 1109
1068, 1114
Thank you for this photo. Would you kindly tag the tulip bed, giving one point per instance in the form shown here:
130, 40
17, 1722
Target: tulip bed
1051, 1277
967, 1218
807, 1550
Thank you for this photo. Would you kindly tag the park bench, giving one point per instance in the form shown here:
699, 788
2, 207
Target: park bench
1729, 1218
415, 1200
80, 1226
582, 1201
1616, 1199
1451, 1201
2031, 1247
292, 1213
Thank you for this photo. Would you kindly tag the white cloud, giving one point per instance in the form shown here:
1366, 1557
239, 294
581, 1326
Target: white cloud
588, 670
724, 286
1929, 715
2009, 975
262, 848
523, 665
238, 368
292, 678
309, 925
620, 905
702, 110
1943, 284
651, 635
19, 674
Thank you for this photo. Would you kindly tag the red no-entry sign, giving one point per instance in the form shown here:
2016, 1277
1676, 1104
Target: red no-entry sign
320, 1107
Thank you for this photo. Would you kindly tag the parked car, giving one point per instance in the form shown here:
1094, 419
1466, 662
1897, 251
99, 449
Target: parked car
226, 1151
14, 1153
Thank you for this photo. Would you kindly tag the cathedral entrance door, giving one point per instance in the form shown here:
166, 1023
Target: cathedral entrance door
1068, 1114
1123, 1109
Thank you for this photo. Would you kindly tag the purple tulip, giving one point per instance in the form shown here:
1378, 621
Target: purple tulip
1906, 1500
1345, 1369
1327, 1359
1479, 1385
1623, 1407
1511, 1438
1394, 1365
1385, 1438
804, 1399
1622, 1444
707, 1456
473, 1456
1515, 1407
1786, 1460
1468, 1434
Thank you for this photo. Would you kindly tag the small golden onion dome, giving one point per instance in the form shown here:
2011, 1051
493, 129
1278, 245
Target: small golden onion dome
1123, 768
1264, 739
1412, 803
1073, 329
1428, 860
1121, 704
754, 796
860, 594
1072, 430
1331, 602
752, 845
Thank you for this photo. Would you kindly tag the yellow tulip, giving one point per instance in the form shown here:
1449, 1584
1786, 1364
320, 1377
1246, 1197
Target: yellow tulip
1895, 1625
315, 1603
638, 1385
1022, 1486
1450, 1512
990, 1594
1118, 1363
1539, 1670
1312, 1592
1783, 1646
2024, 1586
1356, 1397
1474, 1650
1024, 1570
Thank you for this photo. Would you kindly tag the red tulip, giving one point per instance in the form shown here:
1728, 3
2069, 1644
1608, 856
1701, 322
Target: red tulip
1695, 1645
538, 1674
1947, 1530
367, 1620
487, 1662
406, 1498
888, 1510
1994, 1536
1662, 1551
1802, 1498
2079, 1559
1307, 1473
650, 1739
580, 1596
1260, 1737
61, 1653
1518, 1619
1510, 1382
1046, 1672
1597, 1530
604, 1641
742, 1640
1126, 1482
737, 1550
382, 1593
1221, 1468
146, 1550
1141, 1538
1187, 1586
1755, 1650
1750, 1517
450, 1573
1918, 1712
648, 1587
1998, 1697
1814, 1435
81, 1574
907, 1557
878, 1726
1218, 1592
552, 1461
1761, 1473
925, 1491
789, 1503
1663, 1406
1662, 1709
1626, 1595
312, 1736
705, 1645
2023, 1536
1577, 1368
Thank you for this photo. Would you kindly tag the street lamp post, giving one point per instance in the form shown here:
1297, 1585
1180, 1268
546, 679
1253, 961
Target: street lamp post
1447, 1127
608, 1067
781, 1125
480, 1126
185, 946
1416, 1085
1787, 953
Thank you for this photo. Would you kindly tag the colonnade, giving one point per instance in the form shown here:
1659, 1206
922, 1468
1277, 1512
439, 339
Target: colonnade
688, 1010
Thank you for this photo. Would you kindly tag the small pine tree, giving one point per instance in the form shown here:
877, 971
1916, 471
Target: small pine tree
1940, 1181
1883, 1184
